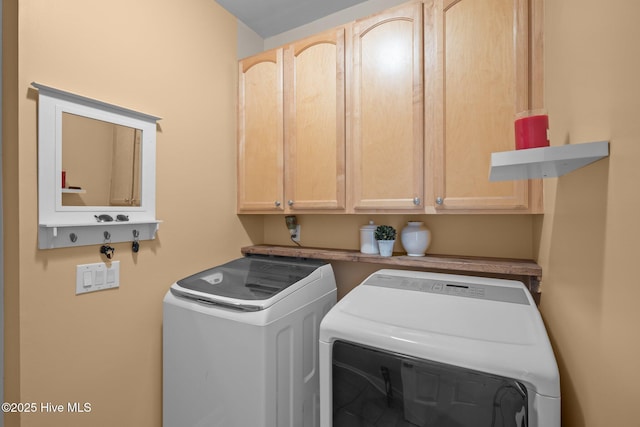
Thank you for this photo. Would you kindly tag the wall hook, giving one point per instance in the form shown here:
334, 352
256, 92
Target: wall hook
135, 246
107, 249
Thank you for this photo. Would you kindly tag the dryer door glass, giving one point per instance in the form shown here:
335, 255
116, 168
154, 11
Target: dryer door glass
376, 388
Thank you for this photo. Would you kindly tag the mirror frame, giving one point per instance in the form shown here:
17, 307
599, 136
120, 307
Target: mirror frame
63, 226
52, 103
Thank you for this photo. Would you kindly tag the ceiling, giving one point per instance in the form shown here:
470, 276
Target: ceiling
271, 17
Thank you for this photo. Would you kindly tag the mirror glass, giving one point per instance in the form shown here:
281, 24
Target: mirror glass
101, 162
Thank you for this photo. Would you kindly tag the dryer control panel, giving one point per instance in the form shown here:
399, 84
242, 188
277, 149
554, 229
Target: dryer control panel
453, 288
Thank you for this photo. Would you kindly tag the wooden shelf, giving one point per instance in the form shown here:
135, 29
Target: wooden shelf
527, 271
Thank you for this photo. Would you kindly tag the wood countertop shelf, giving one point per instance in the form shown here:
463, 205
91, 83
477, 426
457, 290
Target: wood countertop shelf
526, 271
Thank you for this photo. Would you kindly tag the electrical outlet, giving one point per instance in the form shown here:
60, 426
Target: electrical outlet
297, 235
96, 277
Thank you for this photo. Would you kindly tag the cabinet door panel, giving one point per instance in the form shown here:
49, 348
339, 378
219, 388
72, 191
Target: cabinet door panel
260, 157
315, 123
387, 111
484, 65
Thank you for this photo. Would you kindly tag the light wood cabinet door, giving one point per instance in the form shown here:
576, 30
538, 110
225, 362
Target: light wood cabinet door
386, 147
260, 133
315, 123
480, 55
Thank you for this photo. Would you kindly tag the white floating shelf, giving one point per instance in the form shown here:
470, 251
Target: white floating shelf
545, 162
74, 190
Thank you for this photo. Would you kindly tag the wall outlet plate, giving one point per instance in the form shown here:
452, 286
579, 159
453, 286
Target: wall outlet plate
97, 277
297, 235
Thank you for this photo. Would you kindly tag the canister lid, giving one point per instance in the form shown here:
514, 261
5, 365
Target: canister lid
370, 226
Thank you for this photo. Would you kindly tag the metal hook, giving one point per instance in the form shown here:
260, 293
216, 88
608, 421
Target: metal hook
135, 246
106, 249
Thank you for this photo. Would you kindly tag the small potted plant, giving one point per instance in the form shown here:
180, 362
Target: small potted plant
386, 237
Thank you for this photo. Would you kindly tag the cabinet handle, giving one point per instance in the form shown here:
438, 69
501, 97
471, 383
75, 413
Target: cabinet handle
439, 201
290, 202
277, 203
416, 201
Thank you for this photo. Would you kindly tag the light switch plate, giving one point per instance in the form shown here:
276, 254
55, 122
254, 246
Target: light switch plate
97, 277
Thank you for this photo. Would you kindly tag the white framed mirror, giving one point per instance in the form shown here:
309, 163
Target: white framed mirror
96, 169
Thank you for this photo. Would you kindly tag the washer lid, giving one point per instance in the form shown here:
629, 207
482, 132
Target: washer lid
252, 278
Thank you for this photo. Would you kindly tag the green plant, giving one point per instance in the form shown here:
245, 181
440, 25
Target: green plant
385, 232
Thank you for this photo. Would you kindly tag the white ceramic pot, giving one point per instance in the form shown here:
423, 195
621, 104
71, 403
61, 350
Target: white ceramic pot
415, 238
386, 247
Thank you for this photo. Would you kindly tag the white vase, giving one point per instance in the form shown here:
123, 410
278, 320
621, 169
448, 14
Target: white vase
415, 238
386, 247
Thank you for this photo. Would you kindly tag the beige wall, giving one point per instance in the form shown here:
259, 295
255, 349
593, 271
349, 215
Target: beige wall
588, 239
10, 201
174, 59
177, 60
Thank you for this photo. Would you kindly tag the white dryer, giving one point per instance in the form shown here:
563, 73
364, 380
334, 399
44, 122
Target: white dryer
408, 348
240, 343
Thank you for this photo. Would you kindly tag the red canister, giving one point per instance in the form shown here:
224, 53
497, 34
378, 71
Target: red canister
532, 129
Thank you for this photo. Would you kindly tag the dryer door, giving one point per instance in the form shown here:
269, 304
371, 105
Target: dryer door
376, 388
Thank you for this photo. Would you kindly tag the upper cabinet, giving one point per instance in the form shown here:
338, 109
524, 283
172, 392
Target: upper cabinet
260, 133
398, 112
480, 67
386, 161
292, 127
314, 123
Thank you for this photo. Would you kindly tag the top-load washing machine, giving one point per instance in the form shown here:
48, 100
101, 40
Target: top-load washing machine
408, 348
240, 343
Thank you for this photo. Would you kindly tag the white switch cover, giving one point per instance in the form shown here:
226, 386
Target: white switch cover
96, 277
